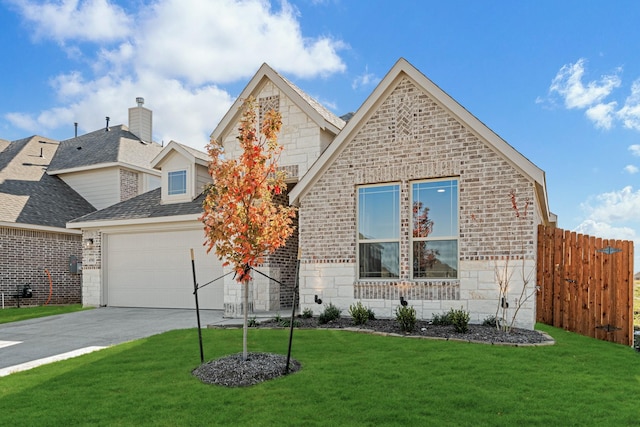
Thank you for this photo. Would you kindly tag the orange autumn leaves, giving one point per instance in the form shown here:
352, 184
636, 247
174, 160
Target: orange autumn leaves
241, 220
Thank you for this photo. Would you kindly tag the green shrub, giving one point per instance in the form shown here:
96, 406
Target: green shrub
253, 323
360, 313
307, 313
443, 319
460, 320
490, 321
278, 318
406, 317
285, 323
331, 312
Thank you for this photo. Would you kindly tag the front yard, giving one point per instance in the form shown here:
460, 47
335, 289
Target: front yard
346, 379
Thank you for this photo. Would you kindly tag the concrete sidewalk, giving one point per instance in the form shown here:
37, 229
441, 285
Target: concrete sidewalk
47, 339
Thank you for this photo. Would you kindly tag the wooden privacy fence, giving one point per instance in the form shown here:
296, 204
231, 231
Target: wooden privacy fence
585, 284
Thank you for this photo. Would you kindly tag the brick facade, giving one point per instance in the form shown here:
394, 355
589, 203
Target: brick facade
411, 137
128, 184
25, 255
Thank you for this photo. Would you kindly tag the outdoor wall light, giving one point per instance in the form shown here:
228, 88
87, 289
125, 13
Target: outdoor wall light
317, 300
88, 243
403, 301
504, 303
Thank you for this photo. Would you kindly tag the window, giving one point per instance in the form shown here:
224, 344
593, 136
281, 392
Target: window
177, 183
379, 231
434, 237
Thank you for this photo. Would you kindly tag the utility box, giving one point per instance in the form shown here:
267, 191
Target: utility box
75, 266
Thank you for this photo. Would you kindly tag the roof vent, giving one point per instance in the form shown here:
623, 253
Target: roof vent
107, 128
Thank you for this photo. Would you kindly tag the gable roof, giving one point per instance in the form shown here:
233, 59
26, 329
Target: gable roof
324, 118
195, 156
142, 209
103, 148
28, 195
401, 69
3, 144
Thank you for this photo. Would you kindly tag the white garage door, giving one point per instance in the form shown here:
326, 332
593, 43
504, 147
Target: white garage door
154, 270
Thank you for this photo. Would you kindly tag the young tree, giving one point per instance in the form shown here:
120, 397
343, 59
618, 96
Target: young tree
241, 220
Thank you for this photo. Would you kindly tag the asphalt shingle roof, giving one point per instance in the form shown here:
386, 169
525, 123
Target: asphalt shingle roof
28, 195
98, 147
146, 205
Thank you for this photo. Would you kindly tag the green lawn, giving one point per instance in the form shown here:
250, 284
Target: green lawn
346, 379
14, 314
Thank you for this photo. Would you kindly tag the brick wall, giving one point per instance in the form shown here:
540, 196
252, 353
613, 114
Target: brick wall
128, 184
284, 259
410, 137
24, 256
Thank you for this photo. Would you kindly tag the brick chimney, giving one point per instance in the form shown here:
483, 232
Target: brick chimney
141, 121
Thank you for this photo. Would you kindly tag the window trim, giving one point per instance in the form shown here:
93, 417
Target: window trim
413, 239
398, 185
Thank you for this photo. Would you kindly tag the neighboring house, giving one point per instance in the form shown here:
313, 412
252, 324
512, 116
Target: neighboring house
140, 248
411, 199
46, 183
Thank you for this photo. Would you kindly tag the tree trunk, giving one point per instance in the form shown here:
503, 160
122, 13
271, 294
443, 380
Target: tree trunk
245, 326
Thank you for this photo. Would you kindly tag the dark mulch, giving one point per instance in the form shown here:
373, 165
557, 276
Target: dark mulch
232, 371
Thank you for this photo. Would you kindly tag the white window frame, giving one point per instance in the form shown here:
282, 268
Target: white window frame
455, 237
182, 191
384, 240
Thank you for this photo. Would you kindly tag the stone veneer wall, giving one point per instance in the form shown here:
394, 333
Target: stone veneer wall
24, 256
300, 135
411, 137
91, 269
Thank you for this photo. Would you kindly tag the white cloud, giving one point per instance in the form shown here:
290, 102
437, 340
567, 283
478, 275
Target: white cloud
615, 206
365, 80
568, 83
630, 113
177, 59
605, 230
225, 40
635, 149
85, 20
602, 114
631, 169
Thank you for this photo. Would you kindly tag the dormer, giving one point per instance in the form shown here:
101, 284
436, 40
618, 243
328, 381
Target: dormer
184, 173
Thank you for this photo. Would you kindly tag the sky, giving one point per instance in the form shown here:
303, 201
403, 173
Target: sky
558, 80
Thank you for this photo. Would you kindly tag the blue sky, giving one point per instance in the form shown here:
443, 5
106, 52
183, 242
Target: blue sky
558, 80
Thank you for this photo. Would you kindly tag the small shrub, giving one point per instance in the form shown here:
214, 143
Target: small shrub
277, 318
307, 313
285, 323
443, 319
331, 312
253, 323
370, 314
406, 317
490, 321
360, 313
460, 320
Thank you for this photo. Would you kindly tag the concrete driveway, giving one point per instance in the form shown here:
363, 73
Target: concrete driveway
34, 342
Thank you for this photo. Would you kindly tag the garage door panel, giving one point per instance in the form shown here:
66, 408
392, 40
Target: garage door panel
154, 270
